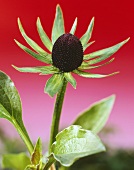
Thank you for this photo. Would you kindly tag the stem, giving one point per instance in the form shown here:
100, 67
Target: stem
57, 113
24, 136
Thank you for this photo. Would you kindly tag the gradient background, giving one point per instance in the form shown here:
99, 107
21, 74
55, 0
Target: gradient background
113, 23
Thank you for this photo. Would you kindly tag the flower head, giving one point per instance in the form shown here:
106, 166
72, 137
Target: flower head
66, 53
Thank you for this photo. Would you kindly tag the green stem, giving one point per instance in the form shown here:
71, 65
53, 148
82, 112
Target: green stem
24, 136
57, 113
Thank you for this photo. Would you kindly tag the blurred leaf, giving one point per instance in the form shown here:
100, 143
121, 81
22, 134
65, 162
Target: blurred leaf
15, 161
54, 84
70, 79
39, 57
58, 25
45, 39
73, 29
10, 106
87, 45
73, 143
104, 54
96, 116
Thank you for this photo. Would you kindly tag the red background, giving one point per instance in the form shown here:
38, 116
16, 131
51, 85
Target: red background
113, 23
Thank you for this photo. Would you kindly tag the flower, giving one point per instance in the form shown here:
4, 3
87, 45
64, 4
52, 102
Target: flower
66, 53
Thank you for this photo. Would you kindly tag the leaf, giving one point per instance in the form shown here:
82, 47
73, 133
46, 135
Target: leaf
73, 29
95, 117
46, 59
73, 143
37, 153
54, 84
41, 69
33, 44
86, 37
15, 161
70, 79
58, 25
87, 45
104, 54
10, 107
91, 75
45, 39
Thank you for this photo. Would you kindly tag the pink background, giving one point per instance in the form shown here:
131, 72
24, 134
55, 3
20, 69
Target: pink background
114, 22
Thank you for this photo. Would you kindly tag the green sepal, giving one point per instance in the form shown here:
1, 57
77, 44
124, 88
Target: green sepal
11, 109
46, 59
54, 84
33, 44
73, 29
86, 37
44, 38
104, 54
58, 25
87, 45
73, 143
91, 75
15, 161
87, 67
41, 69
96, 116
70, 79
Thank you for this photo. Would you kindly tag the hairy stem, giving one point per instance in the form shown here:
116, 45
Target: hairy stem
57, 113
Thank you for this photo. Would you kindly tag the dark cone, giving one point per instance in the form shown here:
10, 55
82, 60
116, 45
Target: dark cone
67, 53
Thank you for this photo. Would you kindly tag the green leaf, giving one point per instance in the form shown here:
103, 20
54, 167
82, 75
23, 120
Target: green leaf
73, 29
70, 79
42, 69
73, 143
46, 59
15, 161
37, 153
95, 117
104, 54
11, 109
33, 44
54, 84
58, 26
45, 39
87, 45
91, 75
86, 37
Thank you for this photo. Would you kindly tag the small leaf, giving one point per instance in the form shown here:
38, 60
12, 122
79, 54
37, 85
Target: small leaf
91, 75
37, 153
58, 25
42, 69
54, 84
97, 115
86, 37
73, 29
46, 59
73, 143
87, 45
33, 44
104, 54
70, 79
15, 161
45, 39
10, 107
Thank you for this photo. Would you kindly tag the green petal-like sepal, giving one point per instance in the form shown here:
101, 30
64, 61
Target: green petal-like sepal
91, 75
73, 29
73, 143
54, 84
58, 26
41, 69
95, 117
104, 54
45, 39
46, 59
70, 79
33, 44
86, 67
86, 37
87, 45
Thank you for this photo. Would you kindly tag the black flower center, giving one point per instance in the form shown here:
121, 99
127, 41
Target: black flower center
67, 53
